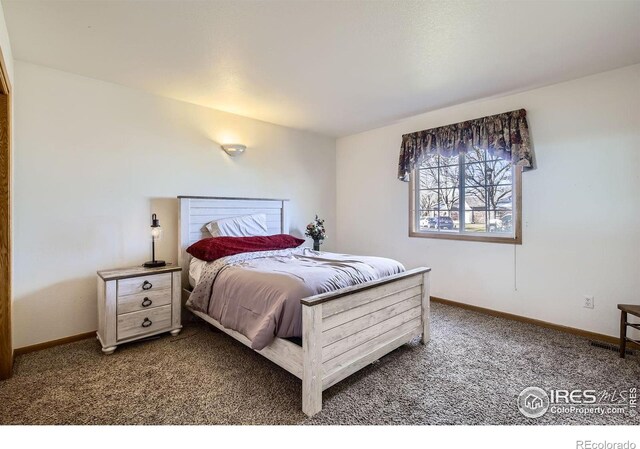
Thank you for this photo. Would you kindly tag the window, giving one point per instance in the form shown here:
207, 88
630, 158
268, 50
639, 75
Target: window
473, 196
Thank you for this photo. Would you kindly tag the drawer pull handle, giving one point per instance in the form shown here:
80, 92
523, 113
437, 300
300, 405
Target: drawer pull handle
146, 285
146, 302
147, 322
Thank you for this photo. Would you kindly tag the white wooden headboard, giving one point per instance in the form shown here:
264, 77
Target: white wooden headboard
197, 211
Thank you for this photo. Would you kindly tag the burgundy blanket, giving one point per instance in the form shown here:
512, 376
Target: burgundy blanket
217, 247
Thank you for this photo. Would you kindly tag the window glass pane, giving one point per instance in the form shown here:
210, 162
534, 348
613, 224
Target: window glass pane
474, 155
475, 221
474, 174
455, 217
500, 221
475, 198
429, 178
494, 224
499, 197
453, 160
505, 218
428, 220
428, 199
448, 200
498, 172
446, 224
449, 176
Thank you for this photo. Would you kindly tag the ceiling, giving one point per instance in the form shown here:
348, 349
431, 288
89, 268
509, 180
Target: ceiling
331, 67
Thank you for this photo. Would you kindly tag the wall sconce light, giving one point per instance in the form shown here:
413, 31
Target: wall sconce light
233, 149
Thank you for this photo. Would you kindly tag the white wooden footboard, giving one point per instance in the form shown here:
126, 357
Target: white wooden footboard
346, 330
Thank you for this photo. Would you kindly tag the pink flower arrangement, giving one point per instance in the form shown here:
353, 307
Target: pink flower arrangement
316, 230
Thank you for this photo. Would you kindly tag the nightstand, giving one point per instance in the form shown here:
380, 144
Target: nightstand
137, 302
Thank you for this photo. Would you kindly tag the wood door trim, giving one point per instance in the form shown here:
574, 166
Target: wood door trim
6, 346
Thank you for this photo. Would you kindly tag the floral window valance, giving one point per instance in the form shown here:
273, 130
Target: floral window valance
503, 135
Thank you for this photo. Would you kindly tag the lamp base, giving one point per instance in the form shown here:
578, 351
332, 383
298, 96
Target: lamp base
154, 264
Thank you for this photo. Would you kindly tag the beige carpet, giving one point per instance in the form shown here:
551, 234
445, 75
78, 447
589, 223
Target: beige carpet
470, 373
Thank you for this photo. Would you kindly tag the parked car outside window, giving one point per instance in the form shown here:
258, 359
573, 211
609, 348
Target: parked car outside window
438, 223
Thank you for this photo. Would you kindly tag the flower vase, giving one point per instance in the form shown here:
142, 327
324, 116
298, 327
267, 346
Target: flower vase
316, 244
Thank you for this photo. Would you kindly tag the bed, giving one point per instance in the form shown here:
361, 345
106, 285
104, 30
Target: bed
342, 330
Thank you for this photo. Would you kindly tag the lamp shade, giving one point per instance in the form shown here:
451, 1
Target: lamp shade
156, 229
156, 233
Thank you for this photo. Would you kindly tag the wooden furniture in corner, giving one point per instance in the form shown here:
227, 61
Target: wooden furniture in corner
137, 302
625, 310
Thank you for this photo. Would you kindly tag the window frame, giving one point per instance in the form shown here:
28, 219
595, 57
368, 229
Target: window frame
475, 237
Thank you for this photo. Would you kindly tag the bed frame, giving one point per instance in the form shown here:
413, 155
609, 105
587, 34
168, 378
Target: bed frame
344, 330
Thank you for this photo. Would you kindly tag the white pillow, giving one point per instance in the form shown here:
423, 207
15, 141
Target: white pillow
243, 226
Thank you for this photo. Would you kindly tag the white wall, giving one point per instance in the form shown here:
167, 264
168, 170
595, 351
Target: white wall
581, 207
94, 160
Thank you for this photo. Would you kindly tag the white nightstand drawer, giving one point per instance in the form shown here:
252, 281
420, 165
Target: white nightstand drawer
143, 301
126, 296
143, 322
144, 284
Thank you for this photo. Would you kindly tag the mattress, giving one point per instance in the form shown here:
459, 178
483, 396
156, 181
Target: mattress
195, 270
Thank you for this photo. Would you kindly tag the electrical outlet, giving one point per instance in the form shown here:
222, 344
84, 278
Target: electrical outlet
588, 302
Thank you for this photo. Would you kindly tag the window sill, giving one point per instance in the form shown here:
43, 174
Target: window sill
517, 240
